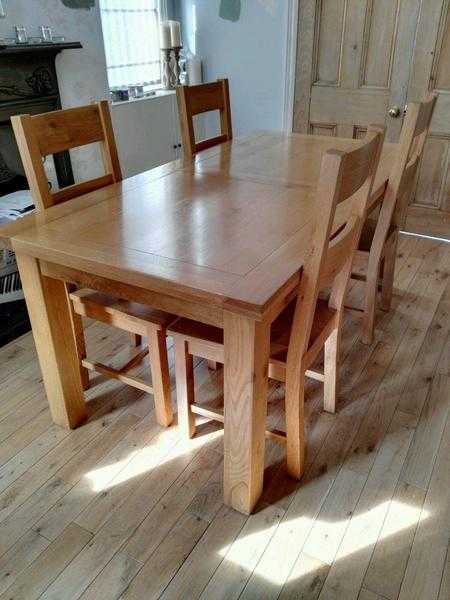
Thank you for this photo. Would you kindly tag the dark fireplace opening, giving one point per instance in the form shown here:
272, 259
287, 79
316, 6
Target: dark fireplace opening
28, 85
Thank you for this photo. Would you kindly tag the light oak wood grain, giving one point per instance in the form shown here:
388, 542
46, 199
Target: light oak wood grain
49, 312
34, 580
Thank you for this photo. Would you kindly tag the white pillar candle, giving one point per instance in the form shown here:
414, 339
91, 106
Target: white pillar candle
165, 39
194, 70
175, 34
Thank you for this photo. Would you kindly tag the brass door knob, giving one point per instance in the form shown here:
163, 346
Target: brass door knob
394, 112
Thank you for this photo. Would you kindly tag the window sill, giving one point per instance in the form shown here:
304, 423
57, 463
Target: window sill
158, 94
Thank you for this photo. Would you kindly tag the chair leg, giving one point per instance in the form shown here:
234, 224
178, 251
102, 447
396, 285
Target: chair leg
331, 371
81, 349
295, 427
212, 365
78, 330
159, 367
184, 372
136, 340
370, 303
388, 275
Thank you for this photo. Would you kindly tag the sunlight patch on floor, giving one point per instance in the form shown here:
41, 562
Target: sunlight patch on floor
144, 460
242, 550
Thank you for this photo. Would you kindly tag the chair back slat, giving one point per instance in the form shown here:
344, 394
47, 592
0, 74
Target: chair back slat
50, 133
62, 130
425, 114
356, 165
205, 97
339, 249
199, 99
78, 189
408, 179
215, 141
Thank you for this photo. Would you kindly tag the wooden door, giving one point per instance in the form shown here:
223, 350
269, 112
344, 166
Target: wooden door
430, 210
353, 65
358, 63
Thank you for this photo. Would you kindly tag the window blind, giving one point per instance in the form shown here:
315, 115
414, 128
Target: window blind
131, 37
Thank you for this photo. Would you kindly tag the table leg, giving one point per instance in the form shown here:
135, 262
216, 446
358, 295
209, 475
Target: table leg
245, 373
49, 312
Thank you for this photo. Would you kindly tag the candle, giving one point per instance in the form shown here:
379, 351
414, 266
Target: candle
175, 34
165, 35
194, 70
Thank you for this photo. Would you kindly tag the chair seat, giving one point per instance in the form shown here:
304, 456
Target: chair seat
131, 316
194, 330
280, 330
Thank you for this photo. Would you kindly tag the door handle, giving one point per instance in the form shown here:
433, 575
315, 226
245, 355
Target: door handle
394, 112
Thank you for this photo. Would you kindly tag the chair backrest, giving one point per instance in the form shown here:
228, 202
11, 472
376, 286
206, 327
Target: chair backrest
404, 172
345, 184
196, 99
49, 133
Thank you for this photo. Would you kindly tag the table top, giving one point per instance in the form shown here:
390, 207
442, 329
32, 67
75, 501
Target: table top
231, 229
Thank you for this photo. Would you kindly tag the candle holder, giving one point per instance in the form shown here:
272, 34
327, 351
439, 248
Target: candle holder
171, 67
166, 68
176, 65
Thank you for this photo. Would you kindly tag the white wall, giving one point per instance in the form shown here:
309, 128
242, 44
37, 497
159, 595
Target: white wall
81, 73
250, 52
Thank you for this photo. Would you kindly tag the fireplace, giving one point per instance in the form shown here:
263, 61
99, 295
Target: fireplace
28, 85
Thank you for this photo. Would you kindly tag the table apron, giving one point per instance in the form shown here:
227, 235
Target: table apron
206, 313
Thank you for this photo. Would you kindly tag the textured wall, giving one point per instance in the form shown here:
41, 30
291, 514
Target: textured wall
82, 73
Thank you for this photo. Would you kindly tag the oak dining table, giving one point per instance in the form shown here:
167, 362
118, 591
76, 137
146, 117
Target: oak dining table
221, 240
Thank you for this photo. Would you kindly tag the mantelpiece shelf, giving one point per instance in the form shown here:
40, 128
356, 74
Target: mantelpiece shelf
38, 48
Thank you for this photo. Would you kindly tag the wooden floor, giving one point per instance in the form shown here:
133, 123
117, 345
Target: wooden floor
121, 508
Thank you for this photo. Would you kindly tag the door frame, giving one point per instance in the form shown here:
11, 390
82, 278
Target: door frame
290, 64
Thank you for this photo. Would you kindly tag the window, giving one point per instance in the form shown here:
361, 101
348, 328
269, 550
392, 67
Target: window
131, 36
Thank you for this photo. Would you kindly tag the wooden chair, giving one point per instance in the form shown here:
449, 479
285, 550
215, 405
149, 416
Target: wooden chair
46, 134
196, 99
378, 245
309, 323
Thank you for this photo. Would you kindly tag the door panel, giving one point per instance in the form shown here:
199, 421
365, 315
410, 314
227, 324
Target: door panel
323, 129
379, 43
330, 27
433, 173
